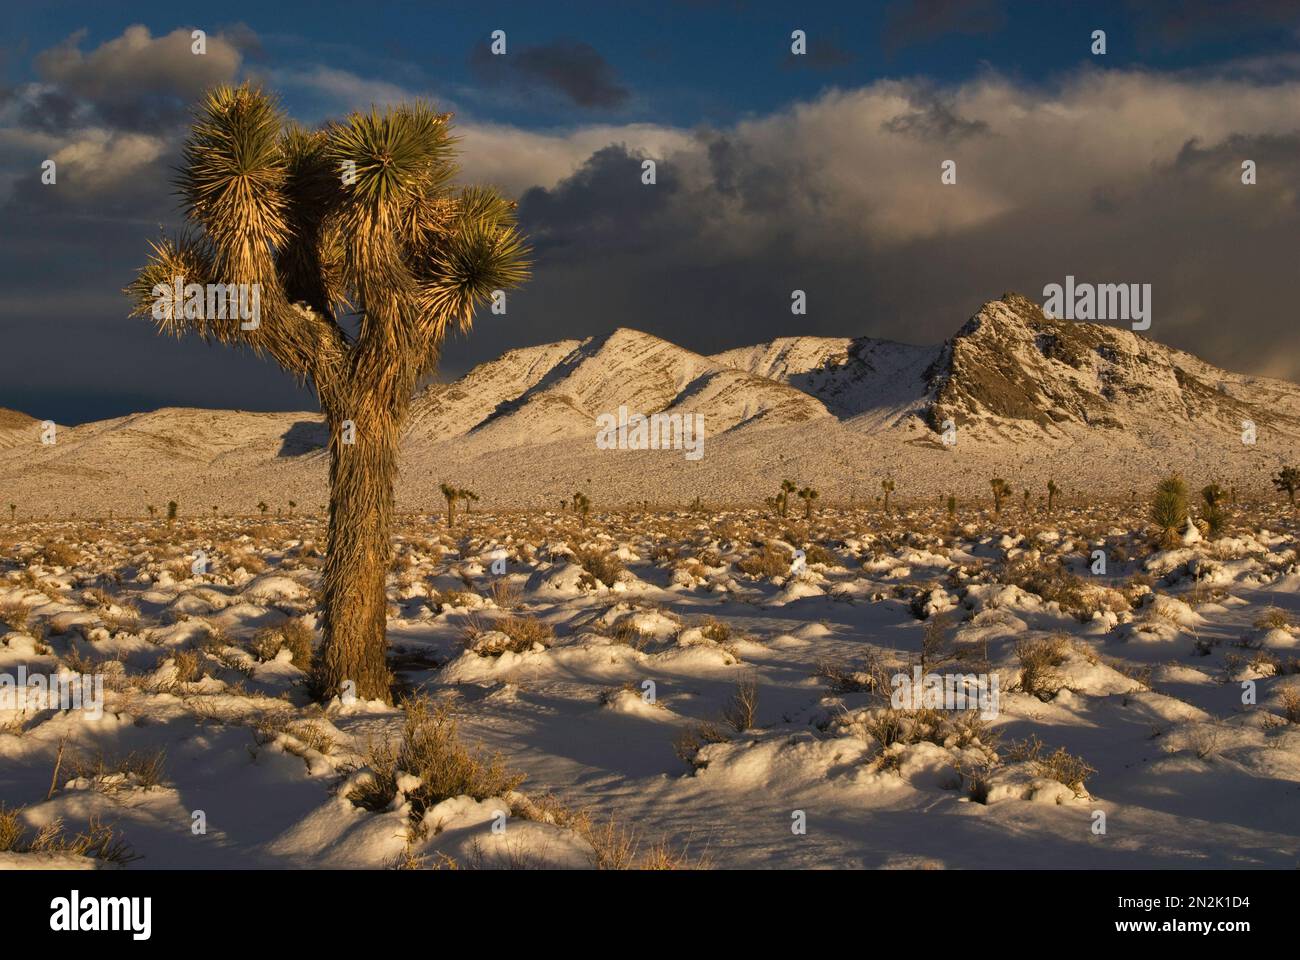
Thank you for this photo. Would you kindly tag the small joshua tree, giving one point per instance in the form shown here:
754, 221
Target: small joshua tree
214, 509
1287, 480
581, 506
152, 510
360, 218
1000, 490
1169, 509
783, 498
1215, 517
292, 505
952, 506
262, 507
808, 495
469, 496
451, 494
171, 511
1052, 491
887, 485
13, 510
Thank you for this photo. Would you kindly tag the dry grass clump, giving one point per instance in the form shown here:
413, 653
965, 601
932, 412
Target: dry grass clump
14, 614
98, 840
1050, 581
292, 634
601, 565
1273, 618
618, 846
1038, 662
689, 743
522, 632
841, 679
1059, 765
768, 562
145, 769
60, 555
431, 750
816, 553
1291, 704
123, 616
742, 708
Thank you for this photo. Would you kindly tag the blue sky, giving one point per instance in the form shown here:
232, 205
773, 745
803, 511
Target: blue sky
777, 172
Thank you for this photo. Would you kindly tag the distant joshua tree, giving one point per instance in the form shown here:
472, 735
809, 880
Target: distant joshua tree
783, 498
1287, 481
1052, 491
581, 506
292, 505
360, 217
1000, 490
262, 507
1214, 515
808, 495
1169, 509
887, 485
952, 506
171, 511
13, 510
214, 509
151, 510
451, 494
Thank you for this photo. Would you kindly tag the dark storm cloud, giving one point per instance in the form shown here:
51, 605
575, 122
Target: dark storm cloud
823, 54
1178, 21
929, 118
572, 68
912, 22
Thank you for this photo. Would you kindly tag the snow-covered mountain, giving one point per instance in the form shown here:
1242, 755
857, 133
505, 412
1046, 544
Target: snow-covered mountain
1029, 397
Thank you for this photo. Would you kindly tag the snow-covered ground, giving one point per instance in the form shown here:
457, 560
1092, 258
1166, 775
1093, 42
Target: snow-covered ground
678, 689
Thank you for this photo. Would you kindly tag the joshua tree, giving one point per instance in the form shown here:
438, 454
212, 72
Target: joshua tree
1052, 491
1000, 490
357, 218
952, 506
214, 509
1169, 509
887, 485
151, 510
581, 506
171, 511
783, 498
808, 495
451, 494
13, 510
262, 507
1215, 517
1288, 481
292, 504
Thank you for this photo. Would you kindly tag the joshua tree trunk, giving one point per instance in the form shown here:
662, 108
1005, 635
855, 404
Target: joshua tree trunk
356, 565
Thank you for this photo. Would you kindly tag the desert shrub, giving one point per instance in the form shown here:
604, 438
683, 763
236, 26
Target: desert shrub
1038, 660
1273, 618
1291, 704
60, 555
431, 750
602, 565
741, 709
1059, 765
98, 841
1050, 581
816, 553
768, 562
14, 614
1169, 510
139, 768
522, 633
689, 743
292, 634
